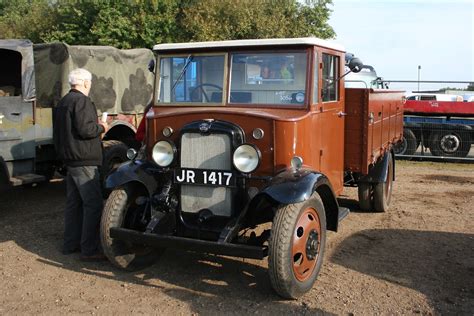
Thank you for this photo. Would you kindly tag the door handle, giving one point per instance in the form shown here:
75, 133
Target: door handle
15, 113
341, 114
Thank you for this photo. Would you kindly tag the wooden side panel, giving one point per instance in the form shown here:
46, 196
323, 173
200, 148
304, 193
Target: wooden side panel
373, 123
356, 133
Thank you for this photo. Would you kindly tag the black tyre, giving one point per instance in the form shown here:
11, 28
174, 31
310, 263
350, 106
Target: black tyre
121, 210
366, 193
383, 190
408, 145
115, 153
296, 247
450, 144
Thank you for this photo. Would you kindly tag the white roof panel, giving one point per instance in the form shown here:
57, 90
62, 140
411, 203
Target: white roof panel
250, 42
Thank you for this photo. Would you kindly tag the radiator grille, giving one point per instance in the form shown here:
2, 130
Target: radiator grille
206, 152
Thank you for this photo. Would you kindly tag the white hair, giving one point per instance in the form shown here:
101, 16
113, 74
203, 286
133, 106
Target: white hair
79, 75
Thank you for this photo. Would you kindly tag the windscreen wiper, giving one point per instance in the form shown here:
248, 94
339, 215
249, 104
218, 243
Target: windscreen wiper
186, 64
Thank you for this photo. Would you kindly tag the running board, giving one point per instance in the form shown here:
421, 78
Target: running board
343, 212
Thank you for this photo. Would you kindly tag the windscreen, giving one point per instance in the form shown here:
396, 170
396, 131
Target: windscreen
269, 78
192, 79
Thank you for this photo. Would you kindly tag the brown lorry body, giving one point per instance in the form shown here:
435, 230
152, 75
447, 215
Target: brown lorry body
230, 147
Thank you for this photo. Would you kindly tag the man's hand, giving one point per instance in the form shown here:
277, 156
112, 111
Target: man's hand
106, 128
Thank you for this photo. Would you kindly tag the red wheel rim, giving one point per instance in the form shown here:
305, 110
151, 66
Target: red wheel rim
306, 244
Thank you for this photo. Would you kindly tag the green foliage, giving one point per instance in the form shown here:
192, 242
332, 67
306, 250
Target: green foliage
25, 19
470, 87
140, 23
243, 19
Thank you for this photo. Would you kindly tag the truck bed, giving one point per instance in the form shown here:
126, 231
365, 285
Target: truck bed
373, 123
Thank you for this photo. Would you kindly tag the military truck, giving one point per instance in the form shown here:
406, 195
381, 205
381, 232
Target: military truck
248, 145
33, 78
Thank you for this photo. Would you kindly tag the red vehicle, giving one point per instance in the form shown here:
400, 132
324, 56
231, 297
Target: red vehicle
443, 123
248, 145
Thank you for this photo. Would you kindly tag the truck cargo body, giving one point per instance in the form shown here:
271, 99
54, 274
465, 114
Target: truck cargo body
33, 80
373, 123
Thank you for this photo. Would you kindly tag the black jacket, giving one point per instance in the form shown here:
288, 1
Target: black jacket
76, 131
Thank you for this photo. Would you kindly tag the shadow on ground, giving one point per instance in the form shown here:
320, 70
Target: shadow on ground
440, 265
33, 219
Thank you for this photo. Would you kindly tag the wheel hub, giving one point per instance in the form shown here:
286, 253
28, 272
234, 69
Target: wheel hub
306, 244
450, 143
312, 245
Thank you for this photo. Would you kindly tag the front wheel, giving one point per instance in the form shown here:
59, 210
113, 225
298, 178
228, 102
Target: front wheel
122, 210
296, 247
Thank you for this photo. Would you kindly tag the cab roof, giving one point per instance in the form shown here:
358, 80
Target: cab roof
309, 41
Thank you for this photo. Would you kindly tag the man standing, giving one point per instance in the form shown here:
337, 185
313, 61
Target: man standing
77, 140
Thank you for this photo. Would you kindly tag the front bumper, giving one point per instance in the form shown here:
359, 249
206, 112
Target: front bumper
204, 246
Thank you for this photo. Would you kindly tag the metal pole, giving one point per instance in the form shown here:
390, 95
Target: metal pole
419, 70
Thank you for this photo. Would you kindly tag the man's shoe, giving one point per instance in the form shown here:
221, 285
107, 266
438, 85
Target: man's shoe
70, 251
93, 258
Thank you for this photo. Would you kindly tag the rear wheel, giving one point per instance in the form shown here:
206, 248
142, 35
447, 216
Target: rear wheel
296, 247
408, 145
122, 210
366, 192
450, 144
383, 190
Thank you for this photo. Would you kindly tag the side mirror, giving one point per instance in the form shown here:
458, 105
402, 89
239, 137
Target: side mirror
151, 66
355, 65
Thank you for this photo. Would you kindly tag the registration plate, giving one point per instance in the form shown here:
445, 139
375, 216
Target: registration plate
219, 178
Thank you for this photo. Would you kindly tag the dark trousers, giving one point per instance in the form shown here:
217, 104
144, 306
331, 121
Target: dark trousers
83, 210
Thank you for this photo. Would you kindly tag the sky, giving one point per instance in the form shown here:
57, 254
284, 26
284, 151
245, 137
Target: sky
397, 36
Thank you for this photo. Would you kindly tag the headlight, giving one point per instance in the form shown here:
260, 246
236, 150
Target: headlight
163, 153
246, 158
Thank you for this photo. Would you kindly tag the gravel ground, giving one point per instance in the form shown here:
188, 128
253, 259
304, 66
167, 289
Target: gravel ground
417, 258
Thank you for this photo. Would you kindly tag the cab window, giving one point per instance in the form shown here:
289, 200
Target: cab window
330, 84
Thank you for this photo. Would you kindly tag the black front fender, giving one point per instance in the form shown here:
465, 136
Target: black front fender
295, 186
140, 171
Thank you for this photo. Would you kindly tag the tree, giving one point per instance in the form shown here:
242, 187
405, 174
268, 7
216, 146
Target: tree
25, 19
243, 19
138, 23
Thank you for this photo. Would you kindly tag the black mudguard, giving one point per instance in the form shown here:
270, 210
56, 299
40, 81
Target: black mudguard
140, 171
294, 186
378, 173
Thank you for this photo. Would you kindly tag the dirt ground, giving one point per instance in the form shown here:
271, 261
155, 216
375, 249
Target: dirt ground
418, 258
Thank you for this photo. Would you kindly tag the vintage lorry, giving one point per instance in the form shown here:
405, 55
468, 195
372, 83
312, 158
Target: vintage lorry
249, 143
32, 80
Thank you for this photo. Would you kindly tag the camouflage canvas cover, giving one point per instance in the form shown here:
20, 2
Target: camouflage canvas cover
121, 82
25, 48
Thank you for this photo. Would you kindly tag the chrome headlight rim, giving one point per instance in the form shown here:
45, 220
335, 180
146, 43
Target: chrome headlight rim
164, 161
258, 157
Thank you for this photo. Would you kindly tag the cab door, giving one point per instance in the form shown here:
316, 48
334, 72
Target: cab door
331, 104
